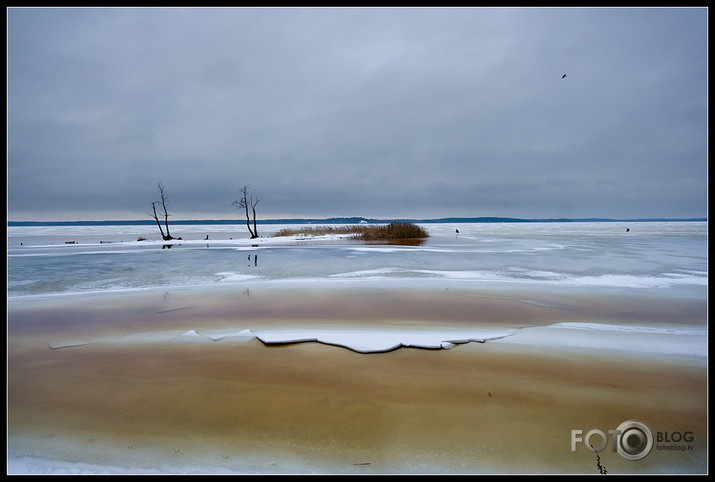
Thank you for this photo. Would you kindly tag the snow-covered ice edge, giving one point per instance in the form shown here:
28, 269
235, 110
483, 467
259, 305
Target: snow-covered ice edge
624, 340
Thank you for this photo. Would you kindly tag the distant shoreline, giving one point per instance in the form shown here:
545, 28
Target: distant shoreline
351, 220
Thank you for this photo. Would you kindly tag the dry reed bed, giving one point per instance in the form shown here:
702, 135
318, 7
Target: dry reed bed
398, 230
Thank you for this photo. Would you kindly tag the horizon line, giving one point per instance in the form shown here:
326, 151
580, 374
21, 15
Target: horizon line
356, 219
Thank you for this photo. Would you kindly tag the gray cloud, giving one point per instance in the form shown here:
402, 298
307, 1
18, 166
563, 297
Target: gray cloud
360, 112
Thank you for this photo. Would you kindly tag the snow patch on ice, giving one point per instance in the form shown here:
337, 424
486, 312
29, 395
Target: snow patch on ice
619, 339
364, 341
361, 341
231, 277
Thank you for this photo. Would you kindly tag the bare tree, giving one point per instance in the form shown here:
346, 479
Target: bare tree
162, 202
244, 203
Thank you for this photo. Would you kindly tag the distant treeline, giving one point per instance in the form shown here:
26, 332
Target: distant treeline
353, 220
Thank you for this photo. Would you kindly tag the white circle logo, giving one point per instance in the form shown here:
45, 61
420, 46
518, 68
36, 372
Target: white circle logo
635, 440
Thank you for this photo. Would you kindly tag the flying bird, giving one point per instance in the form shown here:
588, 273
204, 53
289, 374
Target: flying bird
563, 76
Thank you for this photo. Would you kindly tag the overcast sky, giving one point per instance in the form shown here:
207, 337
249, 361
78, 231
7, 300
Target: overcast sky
380, 112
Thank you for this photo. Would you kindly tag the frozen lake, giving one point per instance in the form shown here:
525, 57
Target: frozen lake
60, 260
178, 369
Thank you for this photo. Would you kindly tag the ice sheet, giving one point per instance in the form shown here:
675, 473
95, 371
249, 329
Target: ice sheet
669, 257
364, 341
618, 339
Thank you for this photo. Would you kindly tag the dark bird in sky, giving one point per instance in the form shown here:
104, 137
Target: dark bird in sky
563, 76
